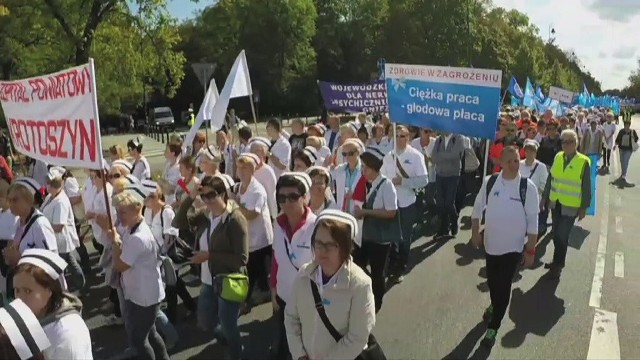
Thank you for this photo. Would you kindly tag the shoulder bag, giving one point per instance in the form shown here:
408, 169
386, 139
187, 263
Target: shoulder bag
373, 351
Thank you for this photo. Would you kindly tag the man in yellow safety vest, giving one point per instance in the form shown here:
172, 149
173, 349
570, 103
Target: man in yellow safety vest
568, 194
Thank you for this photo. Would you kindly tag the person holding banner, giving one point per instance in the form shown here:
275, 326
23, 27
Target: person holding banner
568, 192
57, 208
447, 156
140, 168
406, 169
332, 133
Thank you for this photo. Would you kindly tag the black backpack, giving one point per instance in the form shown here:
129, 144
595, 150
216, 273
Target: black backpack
523, 187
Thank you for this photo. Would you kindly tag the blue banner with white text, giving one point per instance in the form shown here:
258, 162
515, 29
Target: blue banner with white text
457, 100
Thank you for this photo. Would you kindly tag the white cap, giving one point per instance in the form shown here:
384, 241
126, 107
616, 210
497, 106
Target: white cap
251, 156
340, 216
375, 151
137, 191
56, 172
23, 329
311, 153
148, 186
212, 153
301, 177
228, 181
531, 142
122, 163
259, 140
355, 142
46, 260
29, 183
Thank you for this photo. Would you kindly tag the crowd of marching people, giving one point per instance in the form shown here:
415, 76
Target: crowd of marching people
317, 221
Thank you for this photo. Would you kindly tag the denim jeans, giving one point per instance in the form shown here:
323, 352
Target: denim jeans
166, 328
562, 226
625, 156
214, 312
447, 189
143, 335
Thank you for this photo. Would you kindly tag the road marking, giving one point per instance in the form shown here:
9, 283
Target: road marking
598, 275
604, 343
619, 264
619, 224
618, 202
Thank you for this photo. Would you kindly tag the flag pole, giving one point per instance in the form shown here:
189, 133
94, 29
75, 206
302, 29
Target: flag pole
253, 112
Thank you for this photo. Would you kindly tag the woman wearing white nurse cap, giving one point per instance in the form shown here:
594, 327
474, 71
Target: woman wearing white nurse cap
23, 330
52, 263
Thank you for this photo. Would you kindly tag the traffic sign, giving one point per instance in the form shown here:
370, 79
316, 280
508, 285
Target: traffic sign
203, 71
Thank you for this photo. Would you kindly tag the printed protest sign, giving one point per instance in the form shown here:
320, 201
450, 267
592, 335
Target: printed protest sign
54, 118
352, 98
457, 100
562, 95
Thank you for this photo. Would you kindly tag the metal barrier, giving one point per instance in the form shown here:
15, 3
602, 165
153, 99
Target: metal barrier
157, 132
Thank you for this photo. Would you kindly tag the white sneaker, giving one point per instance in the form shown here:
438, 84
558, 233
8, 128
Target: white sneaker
113, 320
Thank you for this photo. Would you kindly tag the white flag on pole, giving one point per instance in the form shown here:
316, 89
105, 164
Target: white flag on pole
204, 113
238, 84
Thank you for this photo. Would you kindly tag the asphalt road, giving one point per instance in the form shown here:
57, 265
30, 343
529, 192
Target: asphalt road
436, 312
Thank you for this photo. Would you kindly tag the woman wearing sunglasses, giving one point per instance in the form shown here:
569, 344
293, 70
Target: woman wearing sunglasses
344, 289
119, 168
223, 241
291, 248
349, 185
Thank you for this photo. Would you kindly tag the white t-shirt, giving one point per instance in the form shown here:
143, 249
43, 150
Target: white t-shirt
609, 130
205, 273
98, 206
412, 162
282, 150
141, 169
260, 228
142, 282
507, 221
267, 178
540, 174
384, 145
8, 225
156, 222
171, 175
40, 235
59, 212
426, 151
69, 338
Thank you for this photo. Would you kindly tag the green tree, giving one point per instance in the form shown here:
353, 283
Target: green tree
48, 35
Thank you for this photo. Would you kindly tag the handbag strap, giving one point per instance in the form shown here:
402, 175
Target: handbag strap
323, 314
401, 169
286, 247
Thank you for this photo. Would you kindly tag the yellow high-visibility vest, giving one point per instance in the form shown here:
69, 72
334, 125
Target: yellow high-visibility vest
192, 119
566, 183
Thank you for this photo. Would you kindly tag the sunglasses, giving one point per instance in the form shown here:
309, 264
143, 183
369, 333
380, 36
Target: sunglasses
348, 153
113, 176
282, 198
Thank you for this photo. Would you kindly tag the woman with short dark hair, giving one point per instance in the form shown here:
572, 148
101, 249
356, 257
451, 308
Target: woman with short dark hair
335, 279
223, 242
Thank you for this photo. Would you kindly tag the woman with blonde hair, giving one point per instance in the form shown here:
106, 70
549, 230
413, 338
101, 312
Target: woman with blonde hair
136, 258
34, 230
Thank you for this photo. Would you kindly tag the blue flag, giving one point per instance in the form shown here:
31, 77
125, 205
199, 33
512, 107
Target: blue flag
539, 93
528, 99
514, 89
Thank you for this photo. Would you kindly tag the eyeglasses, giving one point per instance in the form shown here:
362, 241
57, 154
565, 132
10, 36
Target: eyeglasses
209, 196
282, 198
113, 176
325, 246
348, 153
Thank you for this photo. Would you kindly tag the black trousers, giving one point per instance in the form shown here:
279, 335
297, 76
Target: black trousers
500, 272
280, 346
113, 297
606, 157
172, 293
376, 257
257, 269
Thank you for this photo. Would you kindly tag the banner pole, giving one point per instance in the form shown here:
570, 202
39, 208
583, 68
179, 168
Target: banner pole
253, 112
486, 158
100, 157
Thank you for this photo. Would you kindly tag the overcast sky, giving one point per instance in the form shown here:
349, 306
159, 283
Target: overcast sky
602, 33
